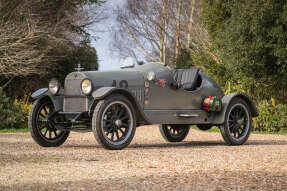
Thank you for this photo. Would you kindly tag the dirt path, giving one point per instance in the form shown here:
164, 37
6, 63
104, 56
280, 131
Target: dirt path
201, 162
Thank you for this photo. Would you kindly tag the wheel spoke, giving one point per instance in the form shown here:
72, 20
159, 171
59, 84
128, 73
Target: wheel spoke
107, 120
117, 134
231, 116
121, 131
55, 132
122, 111
43, 116
46, 132
45, 110
113, 133
240, 133
124, 117
240, 113
231, 127
108, 125
125, 125
116, 110
176, 131
236, 112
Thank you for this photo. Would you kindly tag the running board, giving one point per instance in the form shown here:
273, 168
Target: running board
178, 116
186, 115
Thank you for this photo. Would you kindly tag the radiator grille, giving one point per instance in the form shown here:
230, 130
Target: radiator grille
73, 87
77, 104
74, 104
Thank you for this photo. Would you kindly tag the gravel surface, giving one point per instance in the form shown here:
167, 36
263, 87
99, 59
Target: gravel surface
201, 162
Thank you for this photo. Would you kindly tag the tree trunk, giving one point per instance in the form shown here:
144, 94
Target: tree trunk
190, 23
163, 32
178, 27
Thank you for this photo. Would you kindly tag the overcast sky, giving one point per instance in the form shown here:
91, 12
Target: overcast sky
107, 60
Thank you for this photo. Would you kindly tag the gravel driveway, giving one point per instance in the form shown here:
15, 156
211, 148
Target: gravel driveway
201, 162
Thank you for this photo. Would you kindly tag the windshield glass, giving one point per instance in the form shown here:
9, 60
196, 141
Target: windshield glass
128, 62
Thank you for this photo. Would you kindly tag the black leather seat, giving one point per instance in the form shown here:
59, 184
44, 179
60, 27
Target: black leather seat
186, 78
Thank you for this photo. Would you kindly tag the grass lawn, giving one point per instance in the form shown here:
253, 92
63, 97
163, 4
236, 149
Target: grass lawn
14, 130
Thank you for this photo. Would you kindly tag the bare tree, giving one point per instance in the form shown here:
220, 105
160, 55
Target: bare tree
141, 23
35, 35
159, 29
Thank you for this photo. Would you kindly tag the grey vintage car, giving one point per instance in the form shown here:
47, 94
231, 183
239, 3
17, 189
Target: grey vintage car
112, 104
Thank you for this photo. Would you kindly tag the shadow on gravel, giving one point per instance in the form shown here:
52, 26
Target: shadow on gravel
192, 180
192, 144
203, 144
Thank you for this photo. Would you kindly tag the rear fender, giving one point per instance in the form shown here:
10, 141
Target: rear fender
226, 100
44, 93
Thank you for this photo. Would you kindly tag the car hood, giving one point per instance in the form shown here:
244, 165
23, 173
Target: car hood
108, 78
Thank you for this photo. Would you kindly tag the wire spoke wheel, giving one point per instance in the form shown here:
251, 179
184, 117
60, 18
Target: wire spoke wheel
238, 122
174, 133
47, 129
46, 132
176, 130
204, 127
116, 122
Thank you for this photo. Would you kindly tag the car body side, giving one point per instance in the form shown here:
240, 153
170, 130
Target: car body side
154, 103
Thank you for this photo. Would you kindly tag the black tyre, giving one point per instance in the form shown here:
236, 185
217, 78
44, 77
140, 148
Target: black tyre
174, 133
238, 123
114, 122
45, 134
204, 127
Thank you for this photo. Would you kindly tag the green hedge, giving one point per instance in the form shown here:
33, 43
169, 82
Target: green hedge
272, 117
11, 115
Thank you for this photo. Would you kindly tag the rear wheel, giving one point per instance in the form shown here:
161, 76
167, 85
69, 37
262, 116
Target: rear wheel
114, 122
204, 127
46, 134
238, 123
174, 133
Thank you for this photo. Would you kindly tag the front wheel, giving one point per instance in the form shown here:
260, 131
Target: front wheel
46, 134
174, 133
114, 122
238, 123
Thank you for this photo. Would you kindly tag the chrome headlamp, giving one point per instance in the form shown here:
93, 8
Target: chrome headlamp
54, 86
86, 86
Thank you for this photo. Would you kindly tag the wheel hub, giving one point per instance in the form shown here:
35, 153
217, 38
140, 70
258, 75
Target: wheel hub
239, 122
118, 123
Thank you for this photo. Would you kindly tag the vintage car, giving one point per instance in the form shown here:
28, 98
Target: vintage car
112, 104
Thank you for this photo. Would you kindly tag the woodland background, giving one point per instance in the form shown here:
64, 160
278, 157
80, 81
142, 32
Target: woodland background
242, 44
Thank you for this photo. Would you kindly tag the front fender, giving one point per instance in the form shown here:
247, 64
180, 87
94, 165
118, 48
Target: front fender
56, 99
226, 100
103, 92
40, 93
